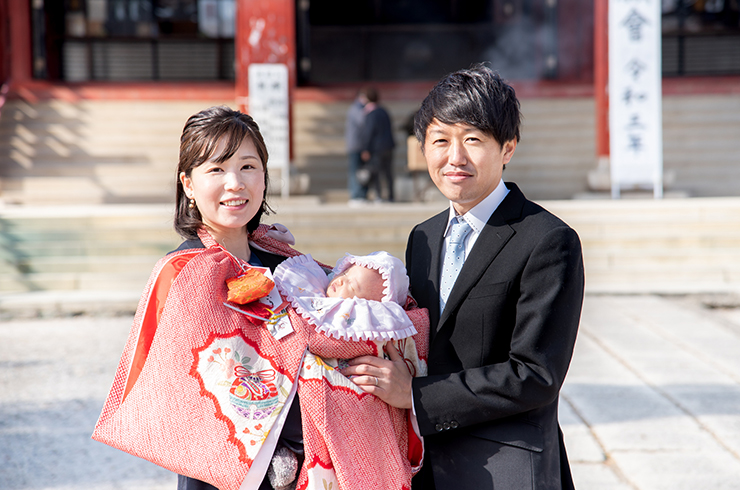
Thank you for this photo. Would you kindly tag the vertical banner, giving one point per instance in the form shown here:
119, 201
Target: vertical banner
269, 106
635, 106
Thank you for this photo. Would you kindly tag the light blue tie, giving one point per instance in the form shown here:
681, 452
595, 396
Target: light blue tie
454, 258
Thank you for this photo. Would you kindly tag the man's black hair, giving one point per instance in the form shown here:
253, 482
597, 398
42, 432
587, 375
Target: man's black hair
477, 96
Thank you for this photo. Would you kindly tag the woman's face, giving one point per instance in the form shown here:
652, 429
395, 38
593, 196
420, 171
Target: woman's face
227, 194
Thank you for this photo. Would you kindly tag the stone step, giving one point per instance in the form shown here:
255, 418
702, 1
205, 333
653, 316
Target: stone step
111, 264
683, 255
127, 283
126, 151
671, 246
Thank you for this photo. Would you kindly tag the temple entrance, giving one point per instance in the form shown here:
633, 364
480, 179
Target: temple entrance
133, 40
406, 40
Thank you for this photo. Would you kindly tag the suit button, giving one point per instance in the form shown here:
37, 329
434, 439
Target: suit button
446, 426
439, 428
454, 425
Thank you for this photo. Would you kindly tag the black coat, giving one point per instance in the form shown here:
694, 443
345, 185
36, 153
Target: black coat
377, 133
499, 352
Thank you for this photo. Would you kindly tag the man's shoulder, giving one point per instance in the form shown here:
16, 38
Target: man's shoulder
434, 221
542, 217
529, 212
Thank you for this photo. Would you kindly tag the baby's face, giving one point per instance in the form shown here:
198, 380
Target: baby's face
357, 282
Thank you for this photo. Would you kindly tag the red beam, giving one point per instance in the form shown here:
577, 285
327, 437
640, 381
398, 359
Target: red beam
265, 33
21, 56
601, 76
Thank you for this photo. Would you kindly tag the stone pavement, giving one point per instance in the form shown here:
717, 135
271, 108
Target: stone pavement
652, 400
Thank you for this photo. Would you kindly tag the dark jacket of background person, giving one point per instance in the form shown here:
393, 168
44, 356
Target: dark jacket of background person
377, 147
377, 134
353, 126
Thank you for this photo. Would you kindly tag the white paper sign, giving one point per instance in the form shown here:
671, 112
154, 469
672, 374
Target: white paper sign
269, 106
635, 106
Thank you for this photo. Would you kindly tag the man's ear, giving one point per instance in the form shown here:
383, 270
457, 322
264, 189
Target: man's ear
508, 150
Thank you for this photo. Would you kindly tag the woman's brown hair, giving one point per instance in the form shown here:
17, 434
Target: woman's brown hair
199, 139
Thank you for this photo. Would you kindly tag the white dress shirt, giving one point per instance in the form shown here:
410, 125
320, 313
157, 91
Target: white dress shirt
476, 218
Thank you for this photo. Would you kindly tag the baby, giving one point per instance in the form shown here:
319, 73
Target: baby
354, 311
357, 281
363, 298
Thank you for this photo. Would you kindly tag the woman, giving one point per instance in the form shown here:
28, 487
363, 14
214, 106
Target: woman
203, 388
225, 195
193, 357
222, 198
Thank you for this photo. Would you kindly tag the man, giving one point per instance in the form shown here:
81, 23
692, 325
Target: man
353, 139
377, 145
503, 336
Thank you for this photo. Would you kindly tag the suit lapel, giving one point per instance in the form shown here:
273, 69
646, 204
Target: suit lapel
436, 242
494, 236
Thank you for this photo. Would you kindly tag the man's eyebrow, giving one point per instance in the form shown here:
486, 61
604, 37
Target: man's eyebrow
436, 133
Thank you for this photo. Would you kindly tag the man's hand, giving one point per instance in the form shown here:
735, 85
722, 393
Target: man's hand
389, 380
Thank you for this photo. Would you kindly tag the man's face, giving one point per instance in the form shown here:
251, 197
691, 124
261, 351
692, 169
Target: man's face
465, 163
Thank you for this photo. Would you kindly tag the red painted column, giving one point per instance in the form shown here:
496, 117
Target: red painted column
601, 77
4, 47
265, 33
21, 54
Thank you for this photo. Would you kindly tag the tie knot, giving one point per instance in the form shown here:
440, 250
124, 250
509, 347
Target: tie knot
459, 230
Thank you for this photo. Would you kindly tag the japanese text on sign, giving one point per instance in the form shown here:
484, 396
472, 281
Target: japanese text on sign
269, 106
635, 119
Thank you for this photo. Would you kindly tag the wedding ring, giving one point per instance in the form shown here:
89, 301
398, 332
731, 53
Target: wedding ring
376, 380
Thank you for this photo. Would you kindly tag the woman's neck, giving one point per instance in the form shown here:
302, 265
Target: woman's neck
236, 242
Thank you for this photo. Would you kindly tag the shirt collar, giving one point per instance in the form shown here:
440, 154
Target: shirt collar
481, 213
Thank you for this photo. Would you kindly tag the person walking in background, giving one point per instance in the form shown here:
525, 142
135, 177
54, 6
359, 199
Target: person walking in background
377, 145
353, 140
502, 331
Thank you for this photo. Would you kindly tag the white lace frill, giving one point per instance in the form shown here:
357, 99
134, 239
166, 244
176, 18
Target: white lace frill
303, 282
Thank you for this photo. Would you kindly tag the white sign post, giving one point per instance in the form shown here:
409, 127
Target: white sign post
635, 105
269, 106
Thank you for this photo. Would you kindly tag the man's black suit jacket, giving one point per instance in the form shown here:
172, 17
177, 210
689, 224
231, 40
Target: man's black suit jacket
499, 352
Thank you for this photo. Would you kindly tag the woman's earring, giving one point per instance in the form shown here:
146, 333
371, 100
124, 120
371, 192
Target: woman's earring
191, 204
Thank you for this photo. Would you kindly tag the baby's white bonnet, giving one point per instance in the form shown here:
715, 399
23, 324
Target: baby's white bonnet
395, 280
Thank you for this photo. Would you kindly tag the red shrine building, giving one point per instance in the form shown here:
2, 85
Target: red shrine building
178, 49
330, 42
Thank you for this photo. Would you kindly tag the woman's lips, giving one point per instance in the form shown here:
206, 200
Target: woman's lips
233, 203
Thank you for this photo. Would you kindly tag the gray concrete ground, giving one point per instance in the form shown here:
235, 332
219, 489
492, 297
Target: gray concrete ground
652, 400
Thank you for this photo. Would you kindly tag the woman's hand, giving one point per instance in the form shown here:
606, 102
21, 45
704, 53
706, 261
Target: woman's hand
389, 380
